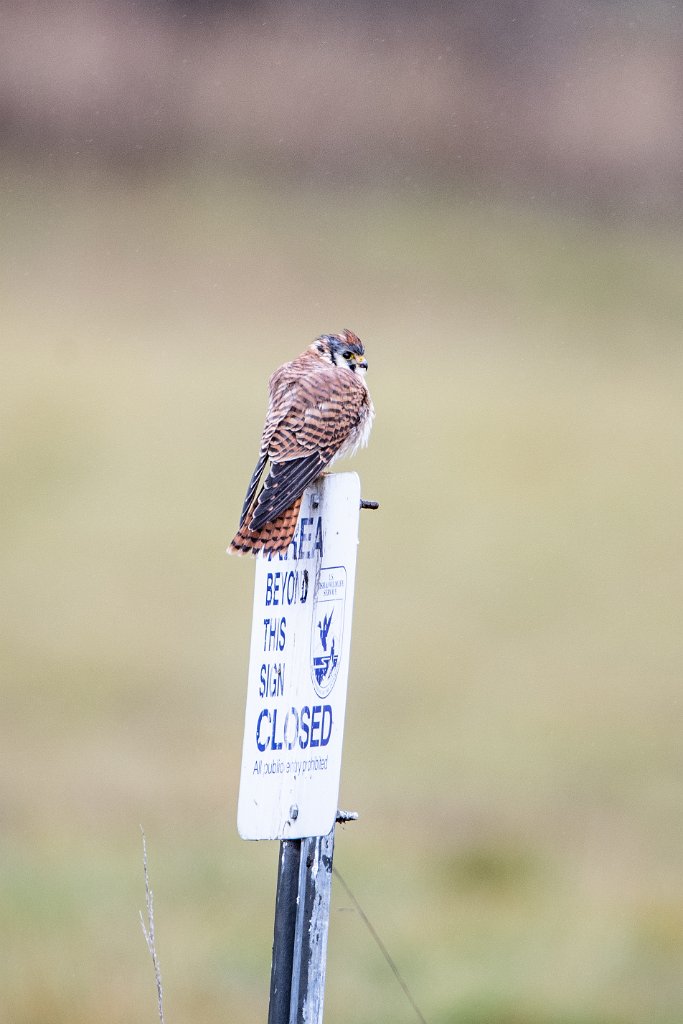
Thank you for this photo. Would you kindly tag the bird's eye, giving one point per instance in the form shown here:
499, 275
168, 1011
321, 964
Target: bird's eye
348, 354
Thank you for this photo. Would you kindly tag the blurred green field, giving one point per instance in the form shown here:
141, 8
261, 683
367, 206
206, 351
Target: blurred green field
513, 739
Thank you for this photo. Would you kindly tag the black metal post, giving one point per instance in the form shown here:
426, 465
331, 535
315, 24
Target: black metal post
302, 918
284, 931
312, 925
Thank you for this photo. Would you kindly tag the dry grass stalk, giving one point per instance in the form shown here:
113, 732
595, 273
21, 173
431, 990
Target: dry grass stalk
148, 930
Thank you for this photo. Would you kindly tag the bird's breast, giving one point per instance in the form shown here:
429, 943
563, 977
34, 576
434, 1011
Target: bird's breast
360, 434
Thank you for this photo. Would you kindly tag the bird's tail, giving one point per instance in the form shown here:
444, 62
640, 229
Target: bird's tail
273, 537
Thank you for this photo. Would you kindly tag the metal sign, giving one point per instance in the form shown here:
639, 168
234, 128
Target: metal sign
298, 670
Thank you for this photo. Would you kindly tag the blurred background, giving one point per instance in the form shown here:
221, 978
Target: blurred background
490, 194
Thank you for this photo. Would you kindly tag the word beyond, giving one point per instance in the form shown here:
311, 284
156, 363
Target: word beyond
282, 588
305, 727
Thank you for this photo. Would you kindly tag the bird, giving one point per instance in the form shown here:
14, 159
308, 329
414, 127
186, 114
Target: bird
319, 409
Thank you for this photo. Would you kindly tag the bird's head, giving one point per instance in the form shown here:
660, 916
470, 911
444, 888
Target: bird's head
344, 349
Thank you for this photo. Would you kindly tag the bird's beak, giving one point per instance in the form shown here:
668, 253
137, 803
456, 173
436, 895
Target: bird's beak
362, 364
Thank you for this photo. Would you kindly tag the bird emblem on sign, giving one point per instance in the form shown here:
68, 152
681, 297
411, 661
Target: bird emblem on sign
326, 638
319, 409
327, 661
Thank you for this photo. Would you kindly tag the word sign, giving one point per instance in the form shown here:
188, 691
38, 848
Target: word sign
298, 669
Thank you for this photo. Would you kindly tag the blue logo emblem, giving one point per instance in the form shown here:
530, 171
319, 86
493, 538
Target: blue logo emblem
328, 629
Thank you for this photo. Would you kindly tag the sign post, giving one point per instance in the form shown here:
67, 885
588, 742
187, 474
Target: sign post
294, 726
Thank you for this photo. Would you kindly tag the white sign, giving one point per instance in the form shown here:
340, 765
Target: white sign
298, 670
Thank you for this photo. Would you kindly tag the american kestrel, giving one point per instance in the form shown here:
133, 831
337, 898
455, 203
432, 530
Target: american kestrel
319, 409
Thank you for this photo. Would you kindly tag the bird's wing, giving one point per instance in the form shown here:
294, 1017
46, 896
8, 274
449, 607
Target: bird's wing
277, 408
253, 484
312, 412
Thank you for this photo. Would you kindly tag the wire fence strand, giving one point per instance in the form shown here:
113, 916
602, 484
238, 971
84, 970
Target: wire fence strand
383, 949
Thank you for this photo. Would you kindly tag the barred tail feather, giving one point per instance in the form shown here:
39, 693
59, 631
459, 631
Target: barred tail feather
272, 537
